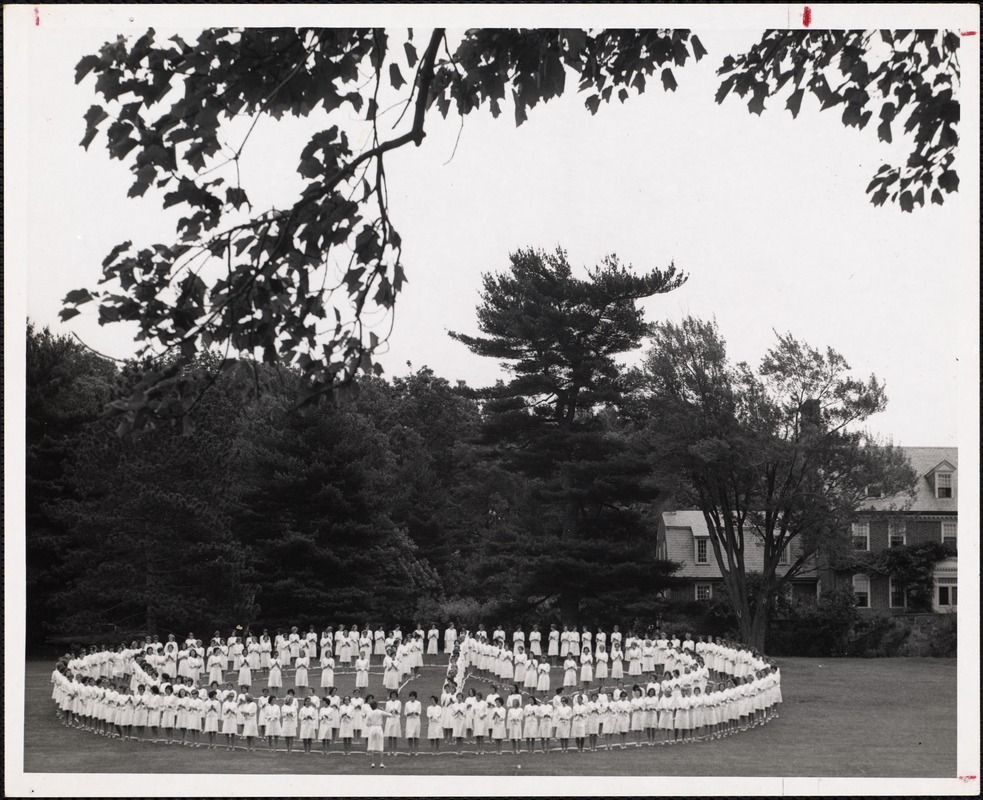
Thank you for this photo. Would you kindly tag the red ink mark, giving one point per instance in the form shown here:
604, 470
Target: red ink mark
807, 16
967, 778
37, 17
968, 33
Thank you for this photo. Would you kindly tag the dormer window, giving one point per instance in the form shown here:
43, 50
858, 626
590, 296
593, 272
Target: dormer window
943, 484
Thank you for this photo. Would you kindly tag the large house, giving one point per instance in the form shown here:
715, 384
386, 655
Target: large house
684, 538
932, 516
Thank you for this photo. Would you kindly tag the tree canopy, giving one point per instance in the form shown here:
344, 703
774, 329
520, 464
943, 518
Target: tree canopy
596, 487
259, 282
774, 457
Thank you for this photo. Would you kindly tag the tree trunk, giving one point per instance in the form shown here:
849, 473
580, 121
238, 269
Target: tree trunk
758, 630
570, 607
150, 580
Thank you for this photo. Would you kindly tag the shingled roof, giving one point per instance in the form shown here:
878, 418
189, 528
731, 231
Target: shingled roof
925, 461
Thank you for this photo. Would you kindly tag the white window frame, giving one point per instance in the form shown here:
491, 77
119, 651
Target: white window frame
696, 549
950, 584
955, 531
893, 526
858, 529
696, 592
783, 557
891, 587
866, 580
939, 487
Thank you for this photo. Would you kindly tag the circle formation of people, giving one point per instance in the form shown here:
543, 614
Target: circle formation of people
613, 691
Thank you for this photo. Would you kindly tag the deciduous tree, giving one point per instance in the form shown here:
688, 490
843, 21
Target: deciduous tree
775, 458
256, 280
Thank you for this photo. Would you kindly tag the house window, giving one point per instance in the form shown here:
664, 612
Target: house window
783, 556
861, 535
701, 551
898, 595
896, 533
946, 592
861, 590
704, 591
949, 534
943, 484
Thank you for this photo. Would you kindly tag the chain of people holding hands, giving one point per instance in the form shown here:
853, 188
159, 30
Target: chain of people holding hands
615, 691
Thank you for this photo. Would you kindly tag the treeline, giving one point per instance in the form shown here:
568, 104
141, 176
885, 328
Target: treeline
417, 500
248, 500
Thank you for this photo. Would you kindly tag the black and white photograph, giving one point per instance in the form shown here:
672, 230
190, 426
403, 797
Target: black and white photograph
491, 399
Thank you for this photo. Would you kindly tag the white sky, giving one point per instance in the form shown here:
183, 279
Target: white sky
767, 215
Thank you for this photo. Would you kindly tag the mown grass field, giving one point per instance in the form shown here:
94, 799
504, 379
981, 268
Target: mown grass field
871, 718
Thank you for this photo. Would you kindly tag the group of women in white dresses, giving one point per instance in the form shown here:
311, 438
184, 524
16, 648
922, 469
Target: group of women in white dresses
614, 691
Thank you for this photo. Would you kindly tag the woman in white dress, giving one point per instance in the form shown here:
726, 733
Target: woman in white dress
531, 676
435, 723
289, 713
564, 718
433, 636
362, 670
229, 714
374, 721
325, 731
213, 716
345, 649
413, 710
578, 724
293, 645
390, 671
265, 650
535, 642
586, 668
543, 679
307, 717
530, 724
617, 662
393, 729
275, 678
346, 729
498, 719
272, 723
302, 663
458, 715
327, 669
553, 644
250, 722
481, 722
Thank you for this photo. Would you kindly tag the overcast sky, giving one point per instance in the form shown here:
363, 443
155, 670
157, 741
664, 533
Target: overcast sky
767, 215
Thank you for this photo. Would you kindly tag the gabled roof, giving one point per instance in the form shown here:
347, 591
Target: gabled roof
925, 461
691, 519
942, 466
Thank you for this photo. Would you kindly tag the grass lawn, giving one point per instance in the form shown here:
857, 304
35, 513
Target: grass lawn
841, 718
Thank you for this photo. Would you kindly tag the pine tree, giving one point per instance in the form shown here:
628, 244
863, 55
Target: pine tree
592, 482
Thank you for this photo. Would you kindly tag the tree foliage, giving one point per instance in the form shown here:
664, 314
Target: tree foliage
594, 483
774, 457
294, 285
150, 541
892, 73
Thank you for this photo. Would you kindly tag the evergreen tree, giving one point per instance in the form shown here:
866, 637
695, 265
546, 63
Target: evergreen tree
152, 546
67, 388
315, 518
592, 482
